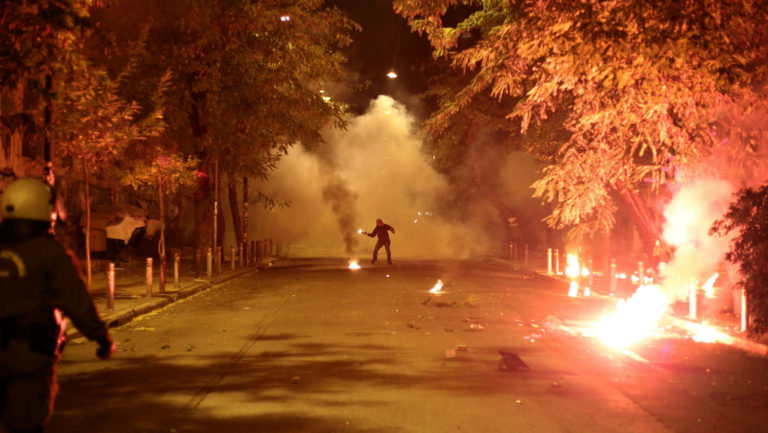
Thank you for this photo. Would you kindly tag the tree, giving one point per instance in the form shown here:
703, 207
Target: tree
246, 80
158, 174
648, 89
747, 218
93, 125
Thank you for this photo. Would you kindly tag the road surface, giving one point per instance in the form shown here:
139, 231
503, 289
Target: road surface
310, 346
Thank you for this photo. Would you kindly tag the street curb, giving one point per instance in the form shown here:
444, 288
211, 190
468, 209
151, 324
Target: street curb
161, 300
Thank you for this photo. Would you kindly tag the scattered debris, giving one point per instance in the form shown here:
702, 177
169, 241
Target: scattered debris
295, 380
475, 327
462, 348
511, 362
165, 346
450, 353
413, 325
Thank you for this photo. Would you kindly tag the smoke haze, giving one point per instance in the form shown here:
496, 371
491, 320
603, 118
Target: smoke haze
374, 169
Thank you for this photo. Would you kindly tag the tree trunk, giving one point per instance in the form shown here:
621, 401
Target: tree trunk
234, 209
244, 238
203, 216
88, 273
647, 226
161, 243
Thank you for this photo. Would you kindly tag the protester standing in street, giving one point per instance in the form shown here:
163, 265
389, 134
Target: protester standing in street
381, 230
38, 282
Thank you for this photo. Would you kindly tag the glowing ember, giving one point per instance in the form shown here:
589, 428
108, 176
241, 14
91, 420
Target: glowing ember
353, 264
437, 287
709, 286
705, 334
360, 231
634, 319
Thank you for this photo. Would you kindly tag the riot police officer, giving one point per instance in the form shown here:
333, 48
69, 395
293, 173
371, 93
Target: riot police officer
38, 282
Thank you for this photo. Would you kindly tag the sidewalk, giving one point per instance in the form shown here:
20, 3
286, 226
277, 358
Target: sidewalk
131, 295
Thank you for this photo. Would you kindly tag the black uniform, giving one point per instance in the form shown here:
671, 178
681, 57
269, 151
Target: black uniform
382, 232
38, 282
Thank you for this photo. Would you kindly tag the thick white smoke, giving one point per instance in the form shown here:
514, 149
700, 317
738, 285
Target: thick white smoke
689, 217
379, 160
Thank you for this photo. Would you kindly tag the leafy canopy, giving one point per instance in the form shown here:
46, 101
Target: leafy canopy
648, 87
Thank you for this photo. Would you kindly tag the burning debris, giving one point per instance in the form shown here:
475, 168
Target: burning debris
437, 287
353, 264
634, 319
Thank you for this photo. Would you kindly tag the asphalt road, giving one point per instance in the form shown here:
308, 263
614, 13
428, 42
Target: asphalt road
310, 346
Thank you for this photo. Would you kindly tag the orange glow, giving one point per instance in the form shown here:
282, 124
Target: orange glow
437, 287
634, 319
353, 264
573, 290
709, 286
572, 266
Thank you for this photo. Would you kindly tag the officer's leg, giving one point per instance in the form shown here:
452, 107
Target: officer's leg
376, 251
31, 390
389, 254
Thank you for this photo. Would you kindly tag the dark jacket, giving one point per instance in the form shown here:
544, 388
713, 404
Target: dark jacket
381, 232
37, 277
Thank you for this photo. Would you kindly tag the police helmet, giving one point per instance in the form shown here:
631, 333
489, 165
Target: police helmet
30, 199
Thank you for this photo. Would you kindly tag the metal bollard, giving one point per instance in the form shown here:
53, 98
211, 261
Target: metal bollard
613, 276
111, 286
209, 263
149, 277
240, 254
232, 257
549, 260
176, 269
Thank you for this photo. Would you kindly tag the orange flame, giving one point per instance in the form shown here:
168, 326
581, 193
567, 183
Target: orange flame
353, 264
437, 287
634, 319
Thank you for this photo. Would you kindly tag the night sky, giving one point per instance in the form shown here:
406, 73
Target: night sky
385, 43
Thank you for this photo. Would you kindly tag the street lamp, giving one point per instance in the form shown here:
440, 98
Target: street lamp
392, 74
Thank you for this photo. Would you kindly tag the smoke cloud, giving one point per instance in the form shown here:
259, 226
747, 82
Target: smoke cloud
689, 217
374, 169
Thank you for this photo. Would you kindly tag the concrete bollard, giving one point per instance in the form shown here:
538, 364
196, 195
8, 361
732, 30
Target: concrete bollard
231, 257
149, 277
511, 252
549, 260
557, 261
111, 286
613, 276
209, 263
176, 269
591, 274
